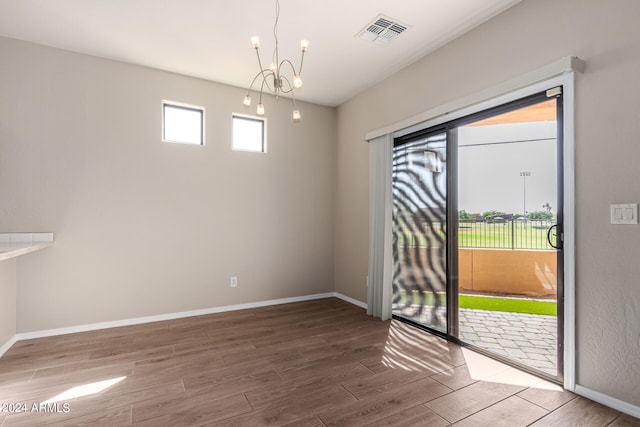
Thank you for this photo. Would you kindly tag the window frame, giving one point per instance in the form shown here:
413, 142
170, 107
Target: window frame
184, 106
247, 117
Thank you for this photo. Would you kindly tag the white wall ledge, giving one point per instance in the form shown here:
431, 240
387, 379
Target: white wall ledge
16, 244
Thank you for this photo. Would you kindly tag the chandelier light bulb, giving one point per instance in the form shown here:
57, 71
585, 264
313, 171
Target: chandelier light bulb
247, 101
273, 67
304, 45
260, 110
296, 115
297, 81
255, 42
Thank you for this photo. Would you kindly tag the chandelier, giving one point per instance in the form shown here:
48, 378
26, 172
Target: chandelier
281, 77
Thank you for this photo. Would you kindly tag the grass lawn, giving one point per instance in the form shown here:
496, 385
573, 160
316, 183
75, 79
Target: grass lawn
476, 302
511, 305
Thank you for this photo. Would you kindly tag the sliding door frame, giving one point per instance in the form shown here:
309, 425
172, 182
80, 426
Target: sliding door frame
567, 177
452, 233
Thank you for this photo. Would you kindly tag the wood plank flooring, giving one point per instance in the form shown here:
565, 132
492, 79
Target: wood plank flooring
316, 363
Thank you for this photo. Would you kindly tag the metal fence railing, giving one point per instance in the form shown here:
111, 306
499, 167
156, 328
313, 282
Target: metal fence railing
504, 234
530, 235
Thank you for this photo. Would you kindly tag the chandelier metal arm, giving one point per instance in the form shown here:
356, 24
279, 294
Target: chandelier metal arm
259, 61
264, 79
286, 61
301, 62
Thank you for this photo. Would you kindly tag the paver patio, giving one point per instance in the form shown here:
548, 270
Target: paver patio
525, 338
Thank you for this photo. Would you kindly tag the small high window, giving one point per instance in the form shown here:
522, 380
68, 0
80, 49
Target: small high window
249, 133
182, 123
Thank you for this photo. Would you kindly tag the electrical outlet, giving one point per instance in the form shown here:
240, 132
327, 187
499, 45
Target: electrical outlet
233, 281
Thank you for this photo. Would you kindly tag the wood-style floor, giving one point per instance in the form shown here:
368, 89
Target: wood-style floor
316, 363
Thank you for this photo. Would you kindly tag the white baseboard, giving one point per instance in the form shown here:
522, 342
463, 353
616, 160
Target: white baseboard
609, 401
161, 317
6, 346
171, 316
350, 300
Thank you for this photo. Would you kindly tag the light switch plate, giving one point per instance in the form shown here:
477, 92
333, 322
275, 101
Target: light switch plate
624, 214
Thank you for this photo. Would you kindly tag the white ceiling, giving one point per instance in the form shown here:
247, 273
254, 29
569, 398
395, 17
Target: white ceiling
210, 38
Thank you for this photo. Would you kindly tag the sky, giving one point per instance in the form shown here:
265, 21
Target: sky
490, 161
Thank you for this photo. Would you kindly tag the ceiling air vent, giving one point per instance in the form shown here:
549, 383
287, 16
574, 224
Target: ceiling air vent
381, 30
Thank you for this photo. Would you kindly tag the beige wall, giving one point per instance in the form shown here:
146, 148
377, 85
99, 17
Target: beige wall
7, 300
532, 34
144, 227
523, 272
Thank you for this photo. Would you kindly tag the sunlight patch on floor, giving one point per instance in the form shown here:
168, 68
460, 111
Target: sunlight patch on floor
410, 349
483, 368
85, 390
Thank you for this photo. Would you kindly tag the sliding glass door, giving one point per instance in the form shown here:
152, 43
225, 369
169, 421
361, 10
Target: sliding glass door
419, 189
477, 231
